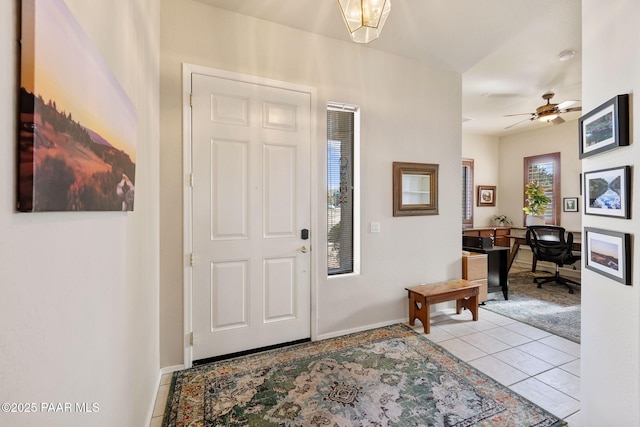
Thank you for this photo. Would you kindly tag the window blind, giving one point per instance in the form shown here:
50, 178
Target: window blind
340, 200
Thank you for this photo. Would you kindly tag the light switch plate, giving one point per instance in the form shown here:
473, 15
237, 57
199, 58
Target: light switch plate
375, 227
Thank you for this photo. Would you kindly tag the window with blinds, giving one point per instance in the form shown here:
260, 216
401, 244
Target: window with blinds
341, 200
545, 170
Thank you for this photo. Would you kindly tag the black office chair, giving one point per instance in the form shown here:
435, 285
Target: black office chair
548, 243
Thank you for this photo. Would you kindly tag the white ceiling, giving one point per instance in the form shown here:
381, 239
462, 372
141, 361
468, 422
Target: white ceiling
506, 50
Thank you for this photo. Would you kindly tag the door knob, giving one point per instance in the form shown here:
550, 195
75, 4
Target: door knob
304, 250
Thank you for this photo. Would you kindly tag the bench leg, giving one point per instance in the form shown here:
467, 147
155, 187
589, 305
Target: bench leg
412, 309
471, 303
422, 312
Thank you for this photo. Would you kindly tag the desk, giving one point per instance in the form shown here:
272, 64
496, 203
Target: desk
498, 268
518, 240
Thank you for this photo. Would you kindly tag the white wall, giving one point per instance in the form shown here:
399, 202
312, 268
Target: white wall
484, 150
410, 112
79, 304
561, 138
610, 368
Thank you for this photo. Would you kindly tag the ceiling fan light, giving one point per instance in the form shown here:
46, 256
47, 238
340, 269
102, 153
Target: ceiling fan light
364, 18
548, 117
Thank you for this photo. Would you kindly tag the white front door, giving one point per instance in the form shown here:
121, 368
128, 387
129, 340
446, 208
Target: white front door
250, 203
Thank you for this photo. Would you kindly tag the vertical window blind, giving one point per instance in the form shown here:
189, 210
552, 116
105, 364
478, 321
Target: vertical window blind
340, 193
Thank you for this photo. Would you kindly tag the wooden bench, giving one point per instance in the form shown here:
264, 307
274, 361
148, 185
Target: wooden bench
465, 294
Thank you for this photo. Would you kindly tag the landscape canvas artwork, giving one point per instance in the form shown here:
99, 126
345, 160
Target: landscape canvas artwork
77, 127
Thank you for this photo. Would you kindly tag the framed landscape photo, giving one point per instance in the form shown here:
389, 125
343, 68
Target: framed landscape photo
608, 253
606, 127
570, 204
486, 195
607, 192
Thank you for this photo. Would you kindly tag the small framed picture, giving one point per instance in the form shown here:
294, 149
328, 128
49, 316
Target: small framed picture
606, 127
608, 253
607, 192
486, 195
570, 204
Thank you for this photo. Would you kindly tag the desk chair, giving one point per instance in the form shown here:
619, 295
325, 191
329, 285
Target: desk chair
548, 243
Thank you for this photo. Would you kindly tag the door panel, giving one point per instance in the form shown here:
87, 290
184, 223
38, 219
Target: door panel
230, 177
229, 293
279, 289
251, 198
280, 195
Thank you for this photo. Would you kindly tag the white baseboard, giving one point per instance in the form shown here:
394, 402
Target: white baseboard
171, 369
404, 320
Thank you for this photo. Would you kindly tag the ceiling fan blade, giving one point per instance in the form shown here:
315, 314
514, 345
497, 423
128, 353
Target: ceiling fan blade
566, 104
568, 110
521, 121
521, 114
557, 120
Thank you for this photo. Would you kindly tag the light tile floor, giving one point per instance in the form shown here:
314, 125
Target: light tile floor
161, 401
543, 368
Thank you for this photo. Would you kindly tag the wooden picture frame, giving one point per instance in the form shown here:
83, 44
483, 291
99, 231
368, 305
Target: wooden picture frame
605, 128
415, 189
608, 253
570, 204
607, 192
486, 195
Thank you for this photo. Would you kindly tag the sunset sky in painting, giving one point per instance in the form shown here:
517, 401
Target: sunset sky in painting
69, 70
604, 248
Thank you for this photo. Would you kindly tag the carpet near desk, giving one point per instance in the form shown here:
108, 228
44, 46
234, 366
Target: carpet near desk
551, 308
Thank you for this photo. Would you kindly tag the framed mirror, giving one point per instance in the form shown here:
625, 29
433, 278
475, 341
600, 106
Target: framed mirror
415, 189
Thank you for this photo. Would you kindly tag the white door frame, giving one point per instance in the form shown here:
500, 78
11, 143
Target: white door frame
187, 70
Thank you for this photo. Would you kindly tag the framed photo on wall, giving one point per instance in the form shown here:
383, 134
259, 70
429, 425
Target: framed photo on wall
607, 192
415, 189
606, 127
486, 195
570, 204
608, 253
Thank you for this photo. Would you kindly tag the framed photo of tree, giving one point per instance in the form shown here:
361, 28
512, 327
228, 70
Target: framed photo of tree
608, 192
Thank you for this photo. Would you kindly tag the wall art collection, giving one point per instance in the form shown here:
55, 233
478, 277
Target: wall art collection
607, 192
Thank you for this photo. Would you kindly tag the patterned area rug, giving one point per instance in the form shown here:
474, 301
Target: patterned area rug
552, 308
385, 377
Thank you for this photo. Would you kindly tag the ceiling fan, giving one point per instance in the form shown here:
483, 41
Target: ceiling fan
548, 112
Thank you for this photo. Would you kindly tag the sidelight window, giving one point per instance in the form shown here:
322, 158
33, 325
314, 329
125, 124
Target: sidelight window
342, 189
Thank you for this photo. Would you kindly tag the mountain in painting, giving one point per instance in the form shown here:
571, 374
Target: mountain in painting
97, 138
66, 166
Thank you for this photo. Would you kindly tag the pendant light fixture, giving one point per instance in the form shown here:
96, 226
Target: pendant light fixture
364, 18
